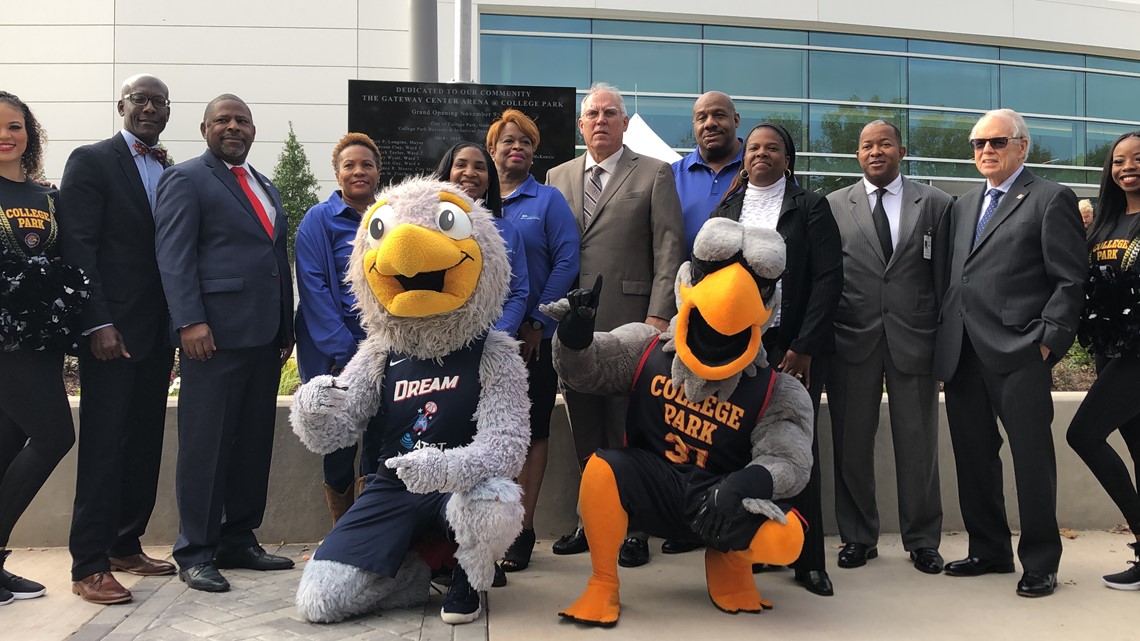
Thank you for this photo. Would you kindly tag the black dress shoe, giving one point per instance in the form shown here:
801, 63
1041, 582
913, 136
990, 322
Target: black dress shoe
253, 557
204, 577
816, 582
855, 555
634, 553
680, 546
1034, 583
573, 543
927, 560
974, 566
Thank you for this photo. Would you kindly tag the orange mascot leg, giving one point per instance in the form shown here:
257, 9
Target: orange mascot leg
605, 523
729, 574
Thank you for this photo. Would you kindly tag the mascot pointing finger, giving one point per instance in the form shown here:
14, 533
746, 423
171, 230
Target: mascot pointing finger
430, 273
715, 438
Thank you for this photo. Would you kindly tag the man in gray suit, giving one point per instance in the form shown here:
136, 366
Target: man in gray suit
629, 217
220, 242
1009, 315
896, 237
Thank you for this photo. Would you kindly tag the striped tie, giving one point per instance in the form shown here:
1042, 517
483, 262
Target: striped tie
593, 192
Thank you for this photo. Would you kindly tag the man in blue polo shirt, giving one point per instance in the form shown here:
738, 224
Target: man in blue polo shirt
703, 176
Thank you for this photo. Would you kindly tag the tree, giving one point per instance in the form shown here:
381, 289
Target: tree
296, 182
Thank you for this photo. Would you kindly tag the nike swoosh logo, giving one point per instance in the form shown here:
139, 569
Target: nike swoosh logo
391, 363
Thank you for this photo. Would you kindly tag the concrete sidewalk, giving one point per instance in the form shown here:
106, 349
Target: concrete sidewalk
886, 600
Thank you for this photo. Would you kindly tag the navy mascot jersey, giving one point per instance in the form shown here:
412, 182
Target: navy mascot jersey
713, 435
429, 403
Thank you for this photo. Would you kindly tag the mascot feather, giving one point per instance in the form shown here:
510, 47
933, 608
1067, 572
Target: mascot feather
715, 437
430, 273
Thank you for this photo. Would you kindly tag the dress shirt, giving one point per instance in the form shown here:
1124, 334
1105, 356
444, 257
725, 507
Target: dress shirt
700, 189
1004, 188
892, 203
550, 236
149, 169
761, 208
258, 191
609, 165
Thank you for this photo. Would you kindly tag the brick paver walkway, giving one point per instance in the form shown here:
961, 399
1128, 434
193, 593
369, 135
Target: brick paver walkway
259, 606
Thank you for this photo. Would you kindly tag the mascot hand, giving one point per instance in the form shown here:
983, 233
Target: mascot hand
723, 502
322, 395
422, 471
576, 330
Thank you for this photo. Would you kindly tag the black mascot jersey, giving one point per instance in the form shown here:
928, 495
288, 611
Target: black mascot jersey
28, 223
428, 403
713, 435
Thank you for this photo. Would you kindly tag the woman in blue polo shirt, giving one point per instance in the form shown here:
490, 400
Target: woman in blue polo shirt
328, 328
550, 235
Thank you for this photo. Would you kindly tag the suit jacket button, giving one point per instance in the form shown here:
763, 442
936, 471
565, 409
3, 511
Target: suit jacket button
965, 279
273, 273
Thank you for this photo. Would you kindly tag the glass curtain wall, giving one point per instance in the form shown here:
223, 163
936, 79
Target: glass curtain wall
825, 86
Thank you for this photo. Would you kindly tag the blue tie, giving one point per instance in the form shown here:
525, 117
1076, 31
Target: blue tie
995, 196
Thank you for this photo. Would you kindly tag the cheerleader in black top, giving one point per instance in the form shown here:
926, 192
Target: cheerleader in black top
1111, 329
38, 299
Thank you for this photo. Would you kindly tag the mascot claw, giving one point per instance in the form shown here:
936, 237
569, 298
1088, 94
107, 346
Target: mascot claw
422, 471
322, 396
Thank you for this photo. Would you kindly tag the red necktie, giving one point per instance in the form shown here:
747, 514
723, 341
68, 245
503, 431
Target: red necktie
158, 152
253, 200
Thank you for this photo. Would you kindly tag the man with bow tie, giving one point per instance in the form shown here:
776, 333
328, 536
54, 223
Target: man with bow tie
107, 227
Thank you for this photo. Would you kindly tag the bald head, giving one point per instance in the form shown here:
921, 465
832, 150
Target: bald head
142, 117
714, 125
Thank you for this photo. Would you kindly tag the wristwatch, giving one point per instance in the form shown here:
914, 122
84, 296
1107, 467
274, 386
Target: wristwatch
535, 324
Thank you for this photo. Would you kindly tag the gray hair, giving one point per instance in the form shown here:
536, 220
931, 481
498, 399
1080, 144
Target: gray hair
605, 87
1020, 129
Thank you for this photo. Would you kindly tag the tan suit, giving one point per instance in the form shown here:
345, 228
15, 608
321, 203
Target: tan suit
635, 238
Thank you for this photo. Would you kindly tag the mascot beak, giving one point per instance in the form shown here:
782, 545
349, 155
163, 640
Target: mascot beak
718, 324
415, 271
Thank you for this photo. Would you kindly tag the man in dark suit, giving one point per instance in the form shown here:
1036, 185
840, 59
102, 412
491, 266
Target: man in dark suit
106, 213
1009, 315
629, 217
896, 239
220, 242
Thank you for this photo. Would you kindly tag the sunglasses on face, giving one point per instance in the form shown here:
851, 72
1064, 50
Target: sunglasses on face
1000, 142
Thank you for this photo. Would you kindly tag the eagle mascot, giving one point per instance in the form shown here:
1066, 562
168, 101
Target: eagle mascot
715, 438
430, 272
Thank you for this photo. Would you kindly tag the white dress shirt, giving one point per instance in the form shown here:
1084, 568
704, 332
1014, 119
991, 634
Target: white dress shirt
892, 202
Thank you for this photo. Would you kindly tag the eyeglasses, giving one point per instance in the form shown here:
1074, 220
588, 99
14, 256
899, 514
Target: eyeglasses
997, 143
141, 99
611, 113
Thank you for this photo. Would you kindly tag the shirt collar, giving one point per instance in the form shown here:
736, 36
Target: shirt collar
1008, 183
894, 189
341, 207
529, 188
609, 164
694, 159
131, 139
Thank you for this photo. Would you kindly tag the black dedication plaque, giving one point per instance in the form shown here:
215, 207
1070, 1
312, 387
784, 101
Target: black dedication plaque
414, 123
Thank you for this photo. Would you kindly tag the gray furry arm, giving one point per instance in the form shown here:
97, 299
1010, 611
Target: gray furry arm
608, 364
330, 413
781, 440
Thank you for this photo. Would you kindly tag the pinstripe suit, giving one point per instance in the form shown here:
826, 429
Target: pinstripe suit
885, 326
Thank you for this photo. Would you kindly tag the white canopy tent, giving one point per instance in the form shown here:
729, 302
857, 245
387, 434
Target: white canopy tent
643, 140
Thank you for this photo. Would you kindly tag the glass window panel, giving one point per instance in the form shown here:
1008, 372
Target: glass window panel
943, 83
784, 72
670, 118
952, 49
849, 41
645, 66
745, 34
1112, 96
824, 185
493, 22
836, 129
1067, 176
847, 76
1100, 137
935, 134
1043, 91
1112, 64
943, 169
1060, 142
792, 117
659, 29
1043, 57
526, 60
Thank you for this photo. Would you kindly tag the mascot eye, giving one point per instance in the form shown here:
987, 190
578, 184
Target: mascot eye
376, 227
453, 221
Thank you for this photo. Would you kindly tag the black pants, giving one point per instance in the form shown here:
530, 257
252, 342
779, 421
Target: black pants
809, 502
226, 411
1112, 403
122, 415
36, 430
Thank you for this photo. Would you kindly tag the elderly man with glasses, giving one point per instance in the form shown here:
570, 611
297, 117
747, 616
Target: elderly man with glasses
1010, 313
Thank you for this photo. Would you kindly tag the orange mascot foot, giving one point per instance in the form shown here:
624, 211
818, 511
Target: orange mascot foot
599, 605
731, 586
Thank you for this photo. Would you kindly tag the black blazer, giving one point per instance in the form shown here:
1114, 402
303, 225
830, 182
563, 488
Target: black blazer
813, 274
107, 228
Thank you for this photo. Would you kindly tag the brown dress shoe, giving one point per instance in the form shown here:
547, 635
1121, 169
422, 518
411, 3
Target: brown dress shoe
142, 565
338, 503
101, 588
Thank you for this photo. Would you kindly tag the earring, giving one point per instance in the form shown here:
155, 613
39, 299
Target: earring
787, 173
744, 174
